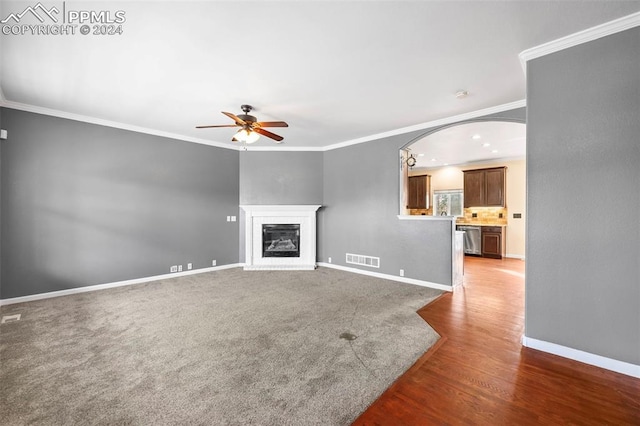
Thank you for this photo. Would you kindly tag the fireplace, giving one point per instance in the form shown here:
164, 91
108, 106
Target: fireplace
280, 237
281, 240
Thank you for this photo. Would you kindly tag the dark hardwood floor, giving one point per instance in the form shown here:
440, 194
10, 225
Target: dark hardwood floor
479, 373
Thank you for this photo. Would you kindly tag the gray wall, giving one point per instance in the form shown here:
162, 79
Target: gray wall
583, 177
1, 143
361, 196
284, 177
84, 204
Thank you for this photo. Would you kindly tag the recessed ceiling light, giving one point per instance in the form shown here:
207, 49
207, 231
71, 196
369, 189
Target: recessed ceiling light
476, 137
433, 159
494, 151
486, 144
420, 155
446, 164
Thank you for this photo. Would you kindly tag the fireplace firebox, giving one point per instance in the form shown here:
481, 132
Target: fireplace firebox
281, 240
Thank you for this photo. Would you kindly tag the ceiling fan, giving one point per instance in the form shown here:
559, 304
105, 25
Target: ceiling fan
250, 127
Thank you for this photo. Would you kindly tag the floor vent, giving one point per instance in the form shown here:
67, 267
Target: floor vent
10, 318
358, 259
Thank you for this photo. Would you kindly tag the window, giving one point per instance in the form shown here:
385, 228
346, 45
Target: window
448, 203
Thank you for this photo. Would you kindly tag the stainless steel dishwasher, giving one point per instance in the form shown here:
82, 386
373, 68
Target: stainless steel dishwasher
472, 239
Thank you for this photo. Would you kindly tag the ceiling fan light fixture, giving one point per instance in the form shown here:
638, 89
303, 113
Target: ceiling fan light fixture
250, 129
246, 136
252, 137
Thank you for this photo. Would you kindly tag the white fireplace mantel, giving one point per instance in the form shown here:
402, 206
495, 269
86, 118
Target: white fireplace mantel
258, 215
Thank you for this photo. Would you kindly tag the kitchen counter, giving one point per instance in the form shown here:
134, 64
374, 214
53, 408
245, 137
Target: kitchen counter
481, 224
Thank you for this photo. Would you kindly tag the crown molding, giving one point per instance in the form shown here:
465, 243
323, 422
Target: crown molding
130, 127
585, 36
282, 148
108, 123
124, 126
429, 124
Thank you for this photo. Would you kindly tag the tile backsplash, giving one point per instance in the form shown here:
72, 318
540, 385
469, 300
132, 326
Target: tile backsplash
484, 215
427, 212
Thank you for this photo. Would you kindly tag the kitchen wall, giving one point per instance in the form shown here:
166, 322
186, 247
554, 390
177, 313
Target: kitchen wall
84, 204
583, 237
451, 177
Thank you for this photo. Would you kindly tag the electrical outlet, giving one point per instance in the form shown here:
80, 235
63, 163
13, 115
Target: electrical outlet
402, 272
174, 268
189, 266
329, 260
213, 262
179, 268
228, 218
233, 218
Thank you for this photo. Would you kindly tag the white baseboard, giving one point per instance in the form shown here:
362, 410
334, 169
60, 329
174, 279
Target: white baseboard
515, 256
581, 356
97, 287
388, 277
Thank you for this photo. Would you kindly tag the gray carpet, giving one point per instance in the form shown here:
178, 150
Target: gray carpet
221, 348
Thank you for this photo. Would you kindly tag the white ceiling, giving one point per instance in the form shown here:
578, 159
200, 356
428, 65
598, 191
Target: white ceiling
471, 143
336, 71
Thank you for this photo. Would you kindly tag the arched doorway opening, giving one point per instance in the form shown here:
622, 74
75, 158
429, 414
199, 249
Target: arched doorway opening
433, 167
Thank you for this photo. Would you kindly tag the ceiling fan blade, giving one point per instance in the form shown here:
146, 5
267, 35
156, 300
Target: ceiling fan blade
235, 118
272, 124
268, 134
220, 125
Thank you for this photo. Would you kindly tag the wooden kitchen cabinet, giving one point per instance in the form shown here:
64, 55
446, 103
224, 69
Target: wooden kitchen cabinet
474, 188
493, 242
419, 189
485, 187
495, 186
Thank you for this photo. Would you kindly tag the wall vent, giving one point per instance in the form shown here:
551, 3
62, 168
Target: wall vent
358, 259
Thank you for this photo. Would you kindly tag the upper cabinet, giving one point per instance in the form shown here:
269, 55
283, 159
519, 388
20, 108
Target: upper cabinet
419, 189
474, 188
484, 187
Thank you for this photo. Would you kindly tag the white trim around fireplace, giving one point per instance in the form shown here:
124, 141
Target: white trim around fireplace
258, 215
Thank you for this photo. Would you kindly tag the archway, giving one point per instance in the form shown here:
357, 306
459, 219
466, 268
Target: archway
438, 158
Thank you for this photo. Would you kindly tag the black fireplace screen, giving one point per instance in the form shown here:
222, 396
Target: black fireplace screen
281, 240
